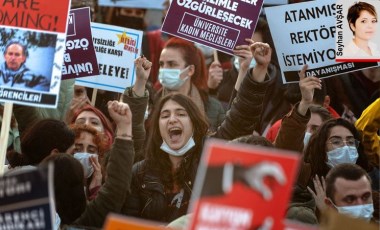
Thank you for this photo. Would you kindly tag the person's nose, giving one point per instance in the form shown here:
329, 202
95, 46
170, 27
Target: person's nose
172, 119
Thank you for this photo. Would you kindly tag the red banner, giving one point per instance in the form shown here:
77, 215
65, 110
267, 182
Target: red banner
44, 15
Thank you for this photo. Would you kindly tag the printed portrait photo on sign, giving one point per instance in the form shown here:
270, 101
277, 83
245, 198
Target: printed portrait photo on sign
27, 59
358, 30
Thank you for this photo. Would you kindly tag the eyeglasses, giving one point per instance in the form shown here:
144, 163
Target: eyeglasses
339, 142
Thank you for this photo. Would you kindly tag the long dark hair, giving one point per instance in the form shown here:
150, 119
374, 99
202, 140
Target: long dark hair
158, 160
315, 152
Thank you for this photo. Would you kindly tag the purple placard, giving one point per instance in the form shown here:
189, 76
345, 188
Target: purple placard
219, 24
80, 57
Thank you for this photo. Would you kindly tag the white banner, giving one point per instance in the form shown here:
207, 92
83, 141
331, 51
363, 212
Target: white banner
116, 49
304, 33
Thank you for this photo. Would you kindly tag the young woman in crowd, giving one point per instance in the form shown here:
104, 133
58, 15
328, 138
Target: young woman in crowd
93, 117
334, 142
183, 70
162, 183
70, 198
89, 148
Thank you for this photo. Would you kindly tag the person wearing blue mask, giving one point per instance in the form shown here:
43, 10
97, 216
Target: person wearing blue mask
90, 146
183, 70
348, 191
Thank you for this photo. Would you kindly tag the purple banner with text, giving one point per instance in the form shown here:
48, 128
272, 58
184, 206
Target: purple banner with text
80, 57
219, 24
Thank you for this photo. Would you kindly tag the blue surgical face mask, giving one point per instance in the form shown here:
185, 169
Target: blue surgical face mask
84, 159
363, 211
345, 154
306, 139
237, 65
180, 152
170, 78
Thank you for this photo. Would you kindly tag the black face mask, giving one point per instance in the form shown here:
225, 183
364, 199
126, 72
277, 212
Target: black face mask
129, 22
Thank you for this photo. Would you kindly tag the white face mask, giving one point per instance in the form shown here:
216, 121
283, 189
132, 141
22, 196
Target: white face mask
363, 211
345, 154
237, 64
180, 152
84, 159
170, 78
306, 139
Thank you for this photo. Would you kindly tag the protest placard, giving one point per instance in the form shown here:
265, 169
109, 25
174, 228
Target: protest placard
219, 24
27, 200
304, 33
116, 222
229, 172
358, 32
79, 58
116, 49
32, 38
142, 4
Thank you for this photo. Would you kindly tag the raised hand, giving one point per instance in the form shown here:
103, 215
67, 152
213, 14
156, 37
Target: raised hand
215, 75
122, 116
79, 100
262, 53
320, 192
244, 53
96, 179
143, 67
307, 87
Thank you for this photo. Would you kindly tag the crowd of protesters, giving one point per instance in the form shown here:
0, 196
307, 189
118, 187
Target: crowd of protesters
138, 155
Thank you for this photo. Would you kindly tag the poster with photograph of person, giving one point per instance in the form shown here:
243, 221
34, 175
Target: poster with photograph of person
32, 42
357, 31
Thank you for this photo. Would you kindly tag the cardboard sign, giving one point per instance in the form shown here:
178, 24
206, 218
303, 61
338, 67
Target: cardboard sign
221, 25
116, 49
118, 222
142, 4
27, 200
237, 186
79, 58
34, 31
304, 33
367, 31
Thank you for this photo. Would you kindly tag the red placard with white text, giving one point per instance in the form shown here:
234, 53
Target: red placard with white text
240, 186
35, 14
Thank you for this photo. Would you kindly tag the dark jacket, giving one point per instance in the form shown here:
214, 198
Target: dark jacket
148, 198
275, 104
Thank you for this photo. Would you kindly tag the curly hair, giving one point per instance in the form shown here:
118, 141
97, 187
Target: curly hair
108, 127
158, 160
315, 152
99, 139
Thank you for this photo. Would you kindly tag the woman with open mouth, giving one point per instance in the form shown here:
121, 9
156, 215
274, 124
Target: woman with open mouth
162, 183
